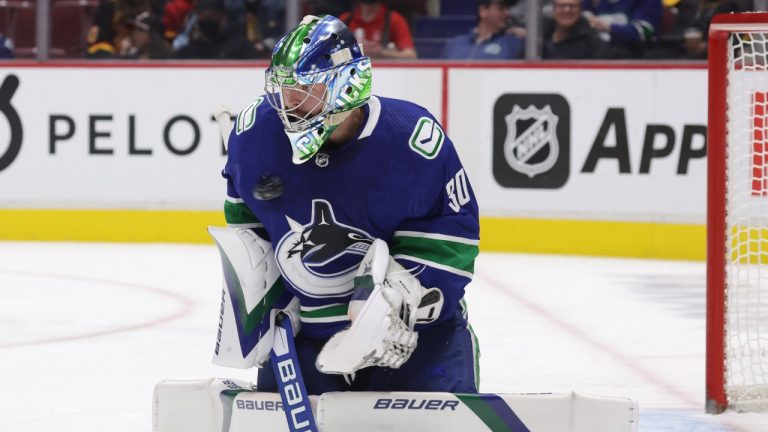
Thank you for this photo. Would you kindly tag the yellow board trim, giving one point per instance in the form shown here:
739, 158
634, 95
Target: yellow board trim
141, 226
572, 237
597, 238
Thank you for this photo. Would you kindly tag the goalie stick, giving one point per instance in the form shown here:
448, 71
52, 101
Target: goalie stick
290, 383
223, 116
285, 363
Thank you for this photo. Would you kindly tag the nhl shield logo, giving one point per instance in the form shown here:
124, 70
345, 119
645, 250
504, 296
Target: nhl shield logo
530, 132
531, 140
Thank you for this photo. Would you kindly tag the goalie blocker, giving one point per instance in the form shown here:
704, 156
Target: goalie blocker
216, 405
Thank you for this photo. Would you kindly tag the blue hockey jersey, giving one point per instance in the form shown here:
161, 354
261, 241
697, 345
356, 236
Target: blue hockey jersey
400, 180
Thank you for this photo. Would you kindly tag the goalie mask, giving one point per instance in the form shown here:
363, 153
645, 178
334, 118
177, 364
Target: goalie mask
317, 76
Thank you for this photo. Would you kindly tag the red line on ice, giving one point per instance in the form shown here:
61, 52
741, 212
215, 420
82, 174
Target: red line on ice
185, 306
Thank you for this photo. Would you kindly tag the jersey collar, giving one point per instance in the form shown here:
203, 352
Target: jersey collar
374, 110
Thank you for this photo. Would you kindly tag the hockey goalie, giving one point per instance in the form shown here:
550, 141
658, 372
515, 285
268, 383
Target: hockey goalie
352, 234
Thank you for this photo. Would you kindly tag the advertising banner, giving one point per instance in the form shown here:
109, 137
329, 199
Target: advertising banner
142, 138
622, 145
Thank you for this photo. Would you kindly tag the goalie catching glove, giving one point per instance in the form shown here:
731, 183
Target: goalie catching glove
387, 303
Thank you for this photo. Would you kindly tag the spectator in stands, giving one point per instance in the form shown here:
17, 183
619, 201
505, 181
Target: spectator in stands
685, 24
110, 33
271, 20
517, 14
174, 16
146, 39
328, 7
695, 35
384, 33
629, 25
567, 35
212, 36
489, 40
6, 47
409, 9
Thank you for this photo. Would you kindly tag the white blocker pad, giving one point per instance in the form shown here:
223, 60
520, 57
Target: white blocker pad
251, 289
216, 405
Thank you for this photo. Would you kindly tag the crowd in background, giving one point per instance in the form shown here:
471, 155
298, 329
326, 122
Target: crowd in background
249, 29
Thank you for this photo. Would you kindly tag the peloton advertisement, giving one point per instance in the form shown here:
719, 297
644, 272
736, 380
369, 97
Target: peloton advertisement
559, 143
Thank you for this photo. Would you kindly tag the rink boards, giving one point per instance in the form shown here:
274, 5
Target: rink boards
589, 159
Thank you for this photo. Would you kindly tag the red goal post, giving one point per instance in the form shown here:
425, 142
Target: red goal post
737, 214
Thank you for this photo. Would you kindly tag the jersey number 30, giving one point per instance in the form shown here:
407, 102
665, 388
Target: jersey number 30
458, 191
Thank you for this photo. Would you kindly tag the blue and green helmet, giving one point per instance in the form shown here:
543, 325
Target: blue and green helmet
317, 76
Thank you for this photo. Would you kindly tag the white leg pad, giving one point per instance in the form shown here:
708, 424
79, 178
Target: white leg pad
216, 405
567, 412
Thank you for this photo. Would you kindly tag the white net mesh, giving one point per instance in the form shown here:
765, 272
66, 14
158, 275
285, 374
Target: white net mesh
746, 336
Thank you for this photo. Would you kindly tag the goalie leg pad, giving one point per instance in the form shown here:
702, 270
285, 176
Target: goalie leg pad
564, 412
217, 405
228, 405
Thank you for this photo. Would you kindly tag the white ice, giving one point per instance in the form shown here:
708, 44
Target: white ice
86, 330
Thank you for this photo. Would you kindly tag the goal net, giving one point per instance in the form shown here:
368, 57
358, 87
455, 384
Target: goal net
737, 221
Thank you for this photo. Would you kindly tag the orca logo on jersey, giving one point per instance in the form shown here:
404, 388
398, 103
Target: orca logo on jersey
7, 89
531, 141
320, 259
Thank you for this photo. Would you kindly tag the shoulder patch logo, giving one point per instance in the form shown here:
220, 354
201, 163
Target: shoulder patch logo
427, 138
247, 117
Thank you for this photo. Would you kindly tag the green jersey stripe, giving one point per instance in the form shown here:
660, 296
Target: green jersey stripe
443, 253
337, 310
323, 320
238, 213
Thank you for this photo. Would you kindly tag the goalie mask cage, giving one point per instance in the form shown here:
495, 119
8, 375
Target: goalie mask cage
737, 214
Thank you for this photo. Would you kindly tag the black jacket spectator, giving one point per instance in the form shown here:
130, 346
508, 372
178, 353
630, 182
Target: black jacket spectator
219, 44
582, 43
213, 36
110, 32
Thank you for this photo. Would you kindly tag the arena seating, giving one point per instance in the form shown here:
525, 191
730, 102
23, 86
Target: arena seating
70, 20
430, 33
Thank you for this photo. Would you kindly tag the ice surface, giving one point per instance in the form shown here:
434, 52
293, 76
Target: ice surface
86, 330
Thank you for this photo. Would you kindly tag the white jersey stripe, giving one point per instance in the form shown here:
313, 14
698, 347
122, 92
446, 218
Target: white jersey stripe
314, 308
234, 200
433, 264
245, 225
374, 109
437, 237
